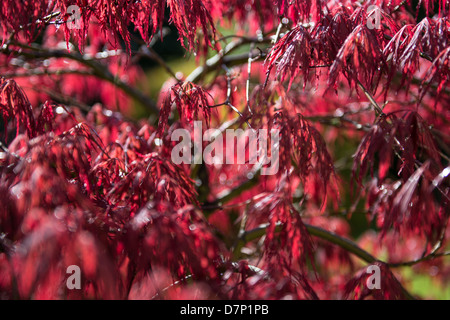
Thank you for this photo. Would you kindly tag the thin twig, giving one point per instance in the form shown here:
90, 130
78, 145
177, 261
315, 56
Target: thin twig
249, 72
152, 54
228, 99
46, 72
370, 97
223, 58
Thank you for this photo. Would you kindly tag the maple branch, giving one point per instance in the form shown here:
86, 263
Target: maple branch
413, 262
228, 195
61, 98
337, 120
331, 237
344, 243
98, 70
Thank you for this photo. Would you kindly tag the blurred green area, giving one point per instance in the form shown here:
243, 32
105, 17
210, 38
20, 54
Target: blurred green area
426, 286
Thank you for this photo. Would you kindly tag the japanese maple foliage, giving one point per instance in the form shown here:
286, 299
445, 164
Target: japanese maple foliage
358, 92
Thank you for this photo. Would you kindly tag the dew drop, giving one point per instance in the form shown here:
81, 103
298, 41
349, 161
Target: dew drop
60, 110
338, 112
